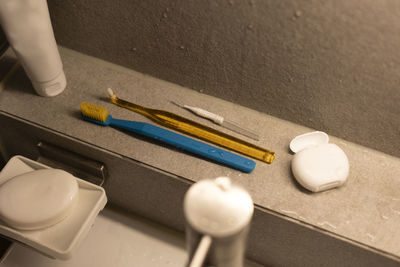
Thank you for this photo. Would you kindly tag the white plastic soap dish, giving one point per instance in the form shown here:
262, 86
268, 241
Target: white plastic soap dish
54, 231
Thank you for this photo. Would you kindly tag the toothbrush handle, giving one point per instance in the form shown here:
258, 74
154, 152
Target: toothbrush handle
188, 144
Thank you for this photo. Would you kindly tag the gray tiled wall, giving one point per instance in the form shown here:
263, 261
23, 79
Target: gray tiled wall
330, 65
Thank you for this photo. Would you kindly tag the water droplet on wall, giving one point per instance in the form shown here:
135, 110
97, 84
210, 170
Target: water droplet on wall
289, 212
370, 236
325, 223
389, 208
298, 13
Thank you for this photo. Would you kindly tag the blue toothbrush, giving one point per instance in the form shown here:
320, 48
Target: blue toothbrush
99, 115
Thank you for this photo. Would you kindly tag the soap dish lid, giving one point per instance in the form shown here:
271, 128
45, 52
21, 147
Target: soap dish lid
307, 140
38, 199
61, 239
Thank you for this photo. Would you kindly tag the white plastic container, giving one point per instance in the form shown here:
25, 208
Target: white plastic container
62, 234
38, 199
27, 26
317, 164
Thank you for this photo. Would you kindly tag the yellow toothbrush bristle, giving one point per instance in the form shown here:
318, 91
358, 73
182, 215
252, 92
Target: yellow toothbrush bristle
94, 112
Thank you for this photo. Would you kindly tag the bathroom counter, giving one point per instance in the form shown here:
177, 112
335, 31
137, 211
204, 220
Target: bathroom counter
364, 212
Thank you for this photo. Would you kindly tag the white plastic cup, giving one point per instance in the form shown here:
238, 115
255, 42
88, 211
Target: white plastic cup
27, 26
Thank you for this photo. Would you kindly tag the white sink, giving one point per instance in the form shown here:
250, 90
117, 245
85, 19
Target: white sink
116, 239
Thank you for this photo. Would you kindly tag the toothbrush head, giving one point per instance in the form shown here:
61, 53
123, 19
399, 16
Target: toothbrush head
94, 113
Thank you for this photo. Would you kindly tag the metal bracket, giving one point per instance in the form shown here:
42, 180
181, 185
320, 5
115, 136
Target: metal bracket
78, 165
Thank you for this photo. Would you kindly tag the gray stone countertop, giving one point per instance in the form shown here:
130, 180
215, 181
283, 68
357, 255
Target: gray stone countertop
365, 210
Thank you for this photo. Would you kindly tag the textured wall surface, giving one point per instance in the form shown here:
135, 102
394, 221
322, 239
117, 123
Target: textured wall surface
330, 65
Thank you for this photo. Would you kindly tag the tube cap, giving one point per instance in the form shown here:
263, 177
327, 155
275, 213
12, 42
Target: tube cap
51, 88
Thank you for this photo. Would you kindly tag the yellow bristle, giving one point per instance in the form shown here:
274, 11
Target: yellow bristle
94, 112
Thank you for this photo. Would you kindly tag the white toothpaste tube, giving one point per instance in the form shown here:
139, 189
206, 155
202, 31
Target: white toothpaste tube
27, 26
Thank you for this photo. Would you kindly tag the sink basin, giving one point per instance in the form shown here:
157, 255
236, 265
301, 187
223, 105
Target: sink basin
119, 239
116, 239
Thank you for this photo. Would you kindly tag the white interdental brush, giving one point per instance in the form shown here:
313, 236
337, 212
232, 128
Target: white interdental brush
217, 119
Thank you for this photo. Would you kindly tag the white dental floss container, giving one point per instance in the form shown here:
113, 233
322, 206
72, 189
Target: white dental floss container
38, 199
27, 25
317, 164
